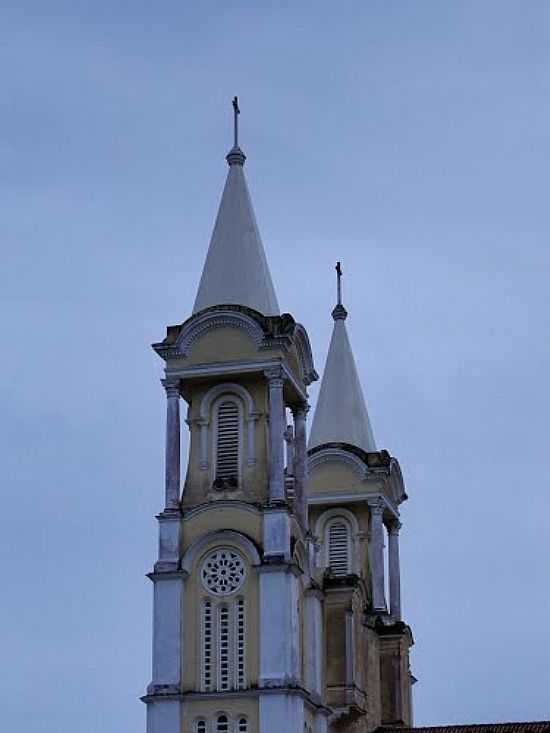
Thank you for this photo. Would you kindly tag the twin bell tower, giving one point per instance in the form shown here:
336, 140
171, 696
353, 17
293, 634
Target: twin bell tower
277, 584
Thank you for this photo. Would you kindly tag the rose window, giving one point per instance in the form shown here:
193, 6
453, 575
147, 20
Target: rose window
223, 572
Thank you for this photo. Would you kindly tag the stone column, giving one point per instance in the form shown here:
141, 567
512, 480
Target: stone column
394, 572
377, 555
300, 459
172, 481
277, 421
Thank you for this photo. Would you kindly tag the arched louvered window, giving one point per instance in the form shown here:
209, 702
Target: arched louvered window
222, 724
227, 443
338, 539
242, 725
200, 726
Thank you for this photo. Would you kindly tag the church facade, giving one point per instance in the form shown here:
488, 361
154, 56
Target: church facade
277, 583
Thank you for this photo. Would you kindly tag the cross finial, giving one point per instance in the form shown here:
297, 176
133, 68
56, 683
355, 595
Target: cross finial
339, 313
236, 113
339, 283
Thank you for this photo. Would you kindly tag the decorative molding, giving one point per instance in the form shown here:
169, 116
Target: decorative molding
223, 538
211, 321
217, 369
337, 455
172, 387
275, 376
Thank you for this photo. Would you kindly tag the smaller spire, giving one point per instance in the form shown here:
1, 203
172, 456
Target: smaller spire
339, 313
341, 413
236, 155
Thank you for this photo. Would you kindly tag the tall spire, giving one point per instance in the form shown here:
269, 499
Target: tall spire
236, 269
341, 414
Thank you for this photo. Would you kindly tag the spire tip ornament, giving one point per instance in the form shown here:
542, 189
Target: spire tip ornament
339, 313
236, 155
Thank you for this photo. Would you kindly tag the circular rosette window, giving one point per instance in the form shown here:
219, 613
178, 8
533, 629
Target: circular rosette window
223, 572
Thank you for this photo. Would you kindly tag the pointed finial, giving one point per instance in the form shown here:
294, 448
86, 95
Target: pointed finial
339, 312
236, 155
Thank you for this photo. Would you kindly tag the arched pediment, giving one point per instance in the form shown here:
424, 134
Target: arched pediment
222, 537
338, 455
213, 320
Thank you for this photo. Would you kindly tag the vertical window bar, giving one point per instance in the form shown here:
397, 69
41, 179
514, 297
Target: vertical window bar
223, 649
240, 666
207, 637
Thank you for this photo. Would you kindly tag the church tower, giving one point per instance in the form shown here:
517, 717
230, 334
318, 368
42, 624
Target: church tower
234, 547
353, 495
269, 603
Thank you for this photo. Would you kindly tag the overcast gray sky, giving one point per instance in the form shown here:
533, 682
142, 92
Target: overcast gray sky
408, 139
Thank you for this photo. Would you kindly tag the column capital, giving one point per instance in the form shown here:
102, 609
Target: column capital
300, 410
394, 527
172, 386
377, 506
275, 376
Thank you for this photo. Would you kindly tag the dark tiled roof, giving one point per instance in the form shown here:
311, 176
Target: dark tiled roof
537, 726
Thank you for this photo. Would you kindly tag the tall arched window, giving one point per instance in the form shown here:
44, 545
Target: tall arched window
338, 542
227, 442
200, 726
222, 724
242, 725
223, 621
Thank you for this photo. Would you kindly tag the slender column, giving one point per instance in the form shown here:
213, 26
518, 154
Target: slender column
289, 440
172, 482
394, 572
377, 555
276, 434
299, 413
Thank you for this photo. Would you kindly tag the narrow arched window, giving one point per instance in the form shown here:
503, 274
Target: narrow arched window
227, 444
200, 726
207, 638
339, 546
242, 725
222, 724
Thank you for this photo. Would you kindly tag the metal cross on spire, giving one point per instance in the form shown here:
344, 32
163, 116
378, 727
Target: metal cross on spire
339, 283
236, 113
339, 313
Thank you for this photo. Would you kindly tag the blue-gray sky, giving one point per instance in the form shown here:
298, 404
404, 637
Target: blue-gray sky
408, 139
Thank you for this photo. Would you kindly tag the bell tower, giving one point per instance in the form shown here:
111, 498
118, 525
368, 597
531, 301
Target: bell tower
233, 605
354, 491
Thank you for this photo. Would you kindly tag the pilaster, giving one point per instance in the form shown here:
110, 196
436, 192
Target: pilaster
377, 555
172, 469
276, 380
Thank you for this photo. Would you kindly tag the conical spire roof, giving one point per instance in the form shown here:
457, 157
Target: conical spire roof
236, 269
341, 414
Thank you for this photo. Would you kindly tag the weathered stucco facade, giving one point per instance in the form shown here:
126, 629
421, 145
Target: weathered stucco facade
270, 605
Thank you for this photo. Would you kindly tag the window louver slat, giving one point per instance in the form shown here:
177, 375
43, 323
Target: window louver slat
338, 542
227, 458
